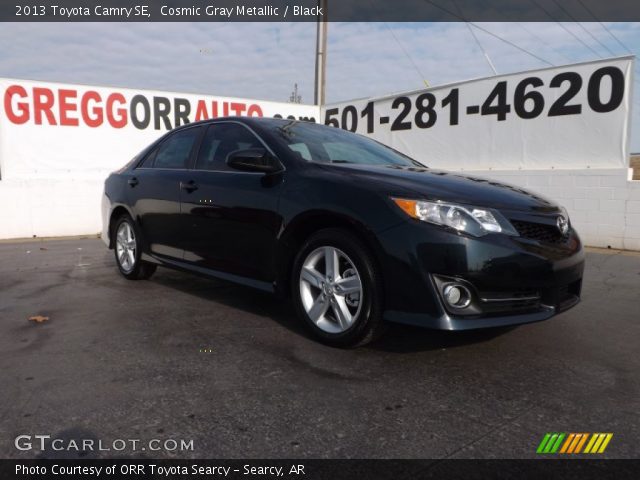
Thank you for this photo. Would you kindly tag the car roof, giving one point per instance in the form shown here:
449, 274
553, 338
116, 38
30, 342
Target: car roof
246, 120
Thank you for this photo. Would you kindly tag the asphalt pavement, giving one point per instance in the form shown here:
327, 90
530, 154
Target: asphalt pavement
231, 372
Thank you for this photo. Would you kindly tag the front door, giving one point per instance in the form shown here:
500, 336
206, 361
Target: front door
232, 215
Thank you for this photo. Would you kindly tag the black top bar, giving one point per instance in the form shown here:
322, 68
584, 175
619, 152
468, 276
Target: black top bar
307, 11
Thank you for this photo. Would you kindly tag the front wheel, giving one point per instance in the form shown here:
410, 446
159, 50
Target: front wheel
128, 251
337, 289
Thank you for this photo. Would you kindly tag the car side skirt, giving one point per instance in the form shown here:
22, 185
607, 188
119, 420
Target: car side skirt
189, 267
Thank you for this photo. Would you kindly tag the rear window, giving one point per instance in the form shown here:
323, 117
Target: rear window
175, 151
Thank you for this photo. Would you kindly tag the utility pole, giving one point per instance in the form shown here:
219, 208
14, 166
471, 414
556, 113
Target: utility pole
321, 55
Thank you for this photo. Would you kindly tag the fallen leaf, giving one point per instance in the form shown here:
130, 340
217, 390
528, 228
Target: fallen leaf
38, 318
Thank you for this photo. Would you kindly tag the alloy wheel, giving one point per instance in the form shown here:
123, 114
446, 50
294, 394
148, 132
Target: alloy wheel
126, 247
331, 289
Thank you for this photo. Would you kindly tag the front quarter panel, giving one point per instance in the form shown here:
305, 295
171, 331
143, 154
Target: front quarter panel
336, 192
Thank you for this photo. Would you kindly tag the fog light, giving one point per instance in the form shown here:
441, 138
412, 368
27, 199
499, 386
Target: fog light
457, 296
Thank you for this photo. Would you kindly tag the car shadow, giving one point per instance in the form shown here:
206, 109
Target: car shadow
396, 339
246, 299
400, 338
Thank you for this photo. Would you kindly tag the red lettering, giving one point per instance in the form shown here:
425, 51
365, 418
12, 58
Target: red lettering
238, 108
201, 111
254, 111
73, 108
43, 103
121, 120
98, 116
23, 108
65, 108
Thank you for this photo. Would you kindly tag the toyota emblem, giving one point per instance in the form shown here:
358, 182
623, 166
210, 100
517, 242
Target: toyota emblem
563, 225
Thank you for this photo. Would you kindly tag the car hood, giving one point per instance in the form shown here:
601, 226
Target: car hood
421, 182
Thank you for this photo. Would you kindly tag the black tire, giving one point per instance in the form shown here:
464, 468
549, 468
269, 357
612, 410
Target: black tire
140, 270
368, 324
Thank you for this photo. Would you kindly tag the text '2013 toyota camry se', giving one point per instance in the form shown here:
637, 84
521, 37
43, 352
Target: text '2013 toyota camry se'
355, 232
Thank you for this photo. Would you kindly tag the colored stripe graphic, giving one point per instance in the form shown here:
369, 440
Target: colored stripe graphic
591, 442
576, 439
567, 443
556, 445
605, 443
581, 443
598, 442
573, 443
549, 446
550, 443
543, 443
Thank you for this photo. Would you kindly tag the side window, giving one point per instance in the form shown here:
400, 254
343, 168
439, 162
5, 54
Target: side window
176, 150
302, 150
148, 160
220, 140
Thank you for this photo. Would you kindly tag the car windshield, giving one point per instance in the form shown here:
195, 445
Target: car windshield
318, 143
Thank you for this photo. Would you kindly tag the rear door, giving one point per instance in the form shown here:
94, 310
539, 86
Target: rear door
154, 192
233, 215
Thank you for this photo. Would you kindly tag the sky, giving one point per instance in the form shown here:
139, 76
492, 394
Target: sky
265, 60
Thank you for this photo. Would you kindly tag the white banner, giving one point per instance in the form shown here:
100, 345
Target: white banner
568, 117
50, 130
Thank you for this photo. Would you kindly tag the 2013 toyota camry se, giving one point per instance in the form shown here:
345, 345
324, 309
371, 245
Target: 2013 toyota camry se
355, 232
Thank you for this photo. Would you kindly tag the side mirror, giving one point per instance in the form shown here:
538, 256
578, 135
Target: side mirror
253, 160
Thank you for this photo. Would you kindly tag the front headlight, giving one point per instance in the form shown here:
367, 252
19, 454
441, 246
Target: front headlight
475, 221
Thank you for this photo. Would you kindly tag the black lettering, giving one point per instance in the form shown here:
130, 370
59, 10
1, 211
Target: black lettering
183, 110
560, 106
399, 123
617, 89
140, 124
161, 110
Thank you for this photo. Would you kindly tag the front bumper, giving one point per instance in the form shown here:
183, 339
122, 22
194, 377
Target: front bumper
512, 280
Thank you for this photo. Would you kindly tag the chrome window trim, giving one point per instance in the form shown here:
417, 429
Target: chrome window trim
206, 125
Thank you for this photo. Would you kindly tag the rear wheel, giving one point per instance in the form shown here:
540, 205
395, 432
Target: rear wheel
337, 289
127, 250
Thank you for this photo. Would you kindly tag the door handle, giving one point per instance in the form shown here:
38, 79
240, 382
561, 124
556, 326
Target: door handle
133, 182
189, 186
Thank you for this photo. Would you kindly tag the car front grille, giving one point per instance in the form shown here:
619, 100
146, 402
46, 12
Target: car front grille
538, 231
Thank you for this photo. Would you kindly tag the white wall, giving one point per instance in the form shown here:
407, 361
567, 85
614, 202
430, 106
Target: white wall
604, 206
49, 207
